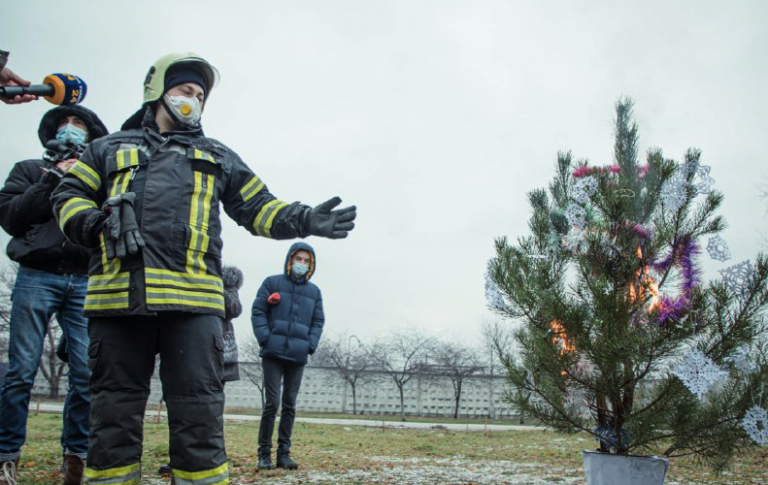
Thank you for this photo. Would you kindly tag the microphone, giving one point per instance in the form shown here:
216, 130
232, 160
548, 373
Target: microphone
59, 89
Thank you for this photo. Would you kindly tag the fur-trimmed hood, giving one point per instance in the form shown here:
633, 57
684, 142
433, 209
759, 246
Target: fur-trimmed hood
49, 125
232, 277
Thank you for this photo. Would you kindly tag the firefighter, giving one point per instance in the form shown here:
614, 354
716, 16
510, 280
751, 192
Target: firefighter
149, 199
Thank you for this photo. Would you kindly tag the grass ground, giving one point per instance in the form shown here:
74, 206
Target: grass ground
332, 454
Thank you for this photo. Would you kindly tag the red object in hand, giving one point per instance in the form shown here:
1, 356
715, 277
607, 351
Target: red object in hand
274, 299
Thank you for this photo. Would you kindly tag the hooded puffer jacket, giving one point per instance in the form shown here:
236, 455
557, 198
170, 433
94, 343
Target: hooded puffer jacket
289, 330
25, 205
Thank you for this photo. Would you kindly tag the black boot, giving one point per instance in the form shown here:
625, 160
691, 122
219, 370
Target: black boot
284, 460
265, 461
164, 470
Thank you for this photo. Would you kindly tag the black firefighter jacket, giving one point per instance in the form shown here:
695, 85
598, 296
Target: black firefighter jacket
181, 181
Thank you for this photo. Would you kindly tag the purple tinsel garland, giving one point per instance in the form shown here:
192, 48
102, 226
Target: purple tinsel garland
684, 257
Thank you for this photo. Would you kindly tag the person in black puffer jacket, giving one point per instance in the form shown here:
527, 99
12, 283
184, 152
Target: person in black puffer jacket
288, 319
52, 279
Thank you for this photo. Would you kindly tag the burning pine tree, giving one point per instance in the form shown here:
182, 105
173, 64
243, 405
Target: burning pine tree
619, 337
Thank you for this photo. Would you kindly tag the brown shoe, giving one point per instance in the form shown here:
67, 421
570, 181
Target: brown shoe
8, 472
74, 473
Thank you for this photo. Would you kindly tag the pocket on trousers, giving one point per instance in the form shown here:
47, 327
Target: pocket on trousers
93, 353
218, 349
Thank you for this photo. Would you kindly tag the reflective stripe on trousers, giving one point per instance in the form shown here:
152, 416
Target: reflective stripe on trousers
124, 475
215, 476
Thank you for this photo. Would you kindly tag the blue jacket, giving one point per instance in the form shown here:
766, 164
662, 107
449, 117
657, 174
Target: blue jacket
290, 330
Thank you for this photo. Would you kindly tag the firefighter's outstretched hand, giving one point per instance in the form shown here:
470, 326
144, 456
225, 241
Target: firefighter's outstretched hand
121, 230
324, 221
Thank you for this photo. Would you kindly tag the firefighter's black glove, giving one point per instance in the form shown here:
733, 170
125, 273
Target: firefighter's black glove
121, 230
333, 224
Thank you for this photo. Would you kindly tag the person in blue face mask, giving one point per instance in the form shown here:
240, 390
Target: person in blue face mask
52, 280
288, 319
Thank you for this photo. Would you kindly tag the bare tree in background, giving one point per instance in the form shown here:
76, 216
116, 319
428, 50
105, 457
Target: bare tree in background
400, 357
457, 362
52, 367
252, 367
498, 342
351, 364
7, 281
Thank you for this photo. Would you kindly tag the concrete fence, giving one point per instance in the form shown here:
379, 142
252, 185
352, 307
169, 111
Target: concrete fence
323, 391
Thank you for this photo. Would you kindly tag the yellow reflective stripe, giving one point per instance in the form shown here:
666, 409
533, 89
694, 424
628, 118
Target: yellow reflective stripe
268, 226
86, 174
185, 293
72, 207
107, 266
132, 158
120, 159
106, 301
249, 191
193, 213
172, 296
112, 472
111, 481
126, 181
260, 216
206, 219
166, 282
116, 281
195, 263
201, 155
186, 277
120, 184
201, 474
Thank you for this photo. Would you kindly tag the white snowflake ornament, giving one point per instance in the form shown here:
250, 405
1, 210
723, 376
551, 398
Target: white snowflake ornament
737, 277
584, 188
742, 360
755, 423
576, 215
673, 193
688, 169
718, 249
493, 295
699, 373
705, 182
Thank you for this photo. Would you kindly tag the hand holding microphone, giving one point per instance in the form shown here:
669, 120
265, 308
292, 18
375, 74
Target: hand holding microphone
59, 89
10, 78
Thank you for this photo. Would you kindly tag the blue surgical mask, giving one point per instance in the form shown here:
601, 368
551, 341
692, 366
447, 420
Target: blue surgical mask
299, 269
70, 132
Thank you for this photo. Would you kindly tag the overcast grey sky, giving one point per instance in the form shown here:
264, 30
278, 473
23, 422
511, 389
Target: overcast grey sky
433, 117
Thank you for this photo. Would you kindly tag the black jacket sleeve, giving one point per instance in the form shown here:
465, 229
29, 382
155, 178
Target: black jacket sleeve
25, 199
78, 198
248, 201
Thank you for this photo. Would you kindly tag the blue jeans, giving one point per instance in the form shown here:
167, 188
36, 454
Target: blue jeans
37, 296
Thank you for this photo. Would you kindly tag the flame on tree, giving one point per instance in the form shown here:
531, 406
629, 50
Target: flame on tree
607, 291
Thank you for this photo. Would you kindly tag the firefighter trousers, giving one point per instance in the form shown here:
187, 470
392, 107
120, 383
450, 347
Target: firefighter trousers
122, 359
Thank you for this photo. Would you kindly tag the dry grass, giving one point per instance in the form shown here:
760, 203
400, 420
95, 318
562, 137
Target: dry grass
357, 455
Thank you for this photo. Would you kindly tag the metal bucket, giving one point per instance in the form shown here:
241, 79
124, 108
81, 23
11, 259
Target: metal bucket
608, 469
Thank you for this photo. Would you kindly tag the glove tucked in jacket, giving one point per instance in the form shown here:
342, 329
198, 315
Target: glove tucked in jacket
121, 231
